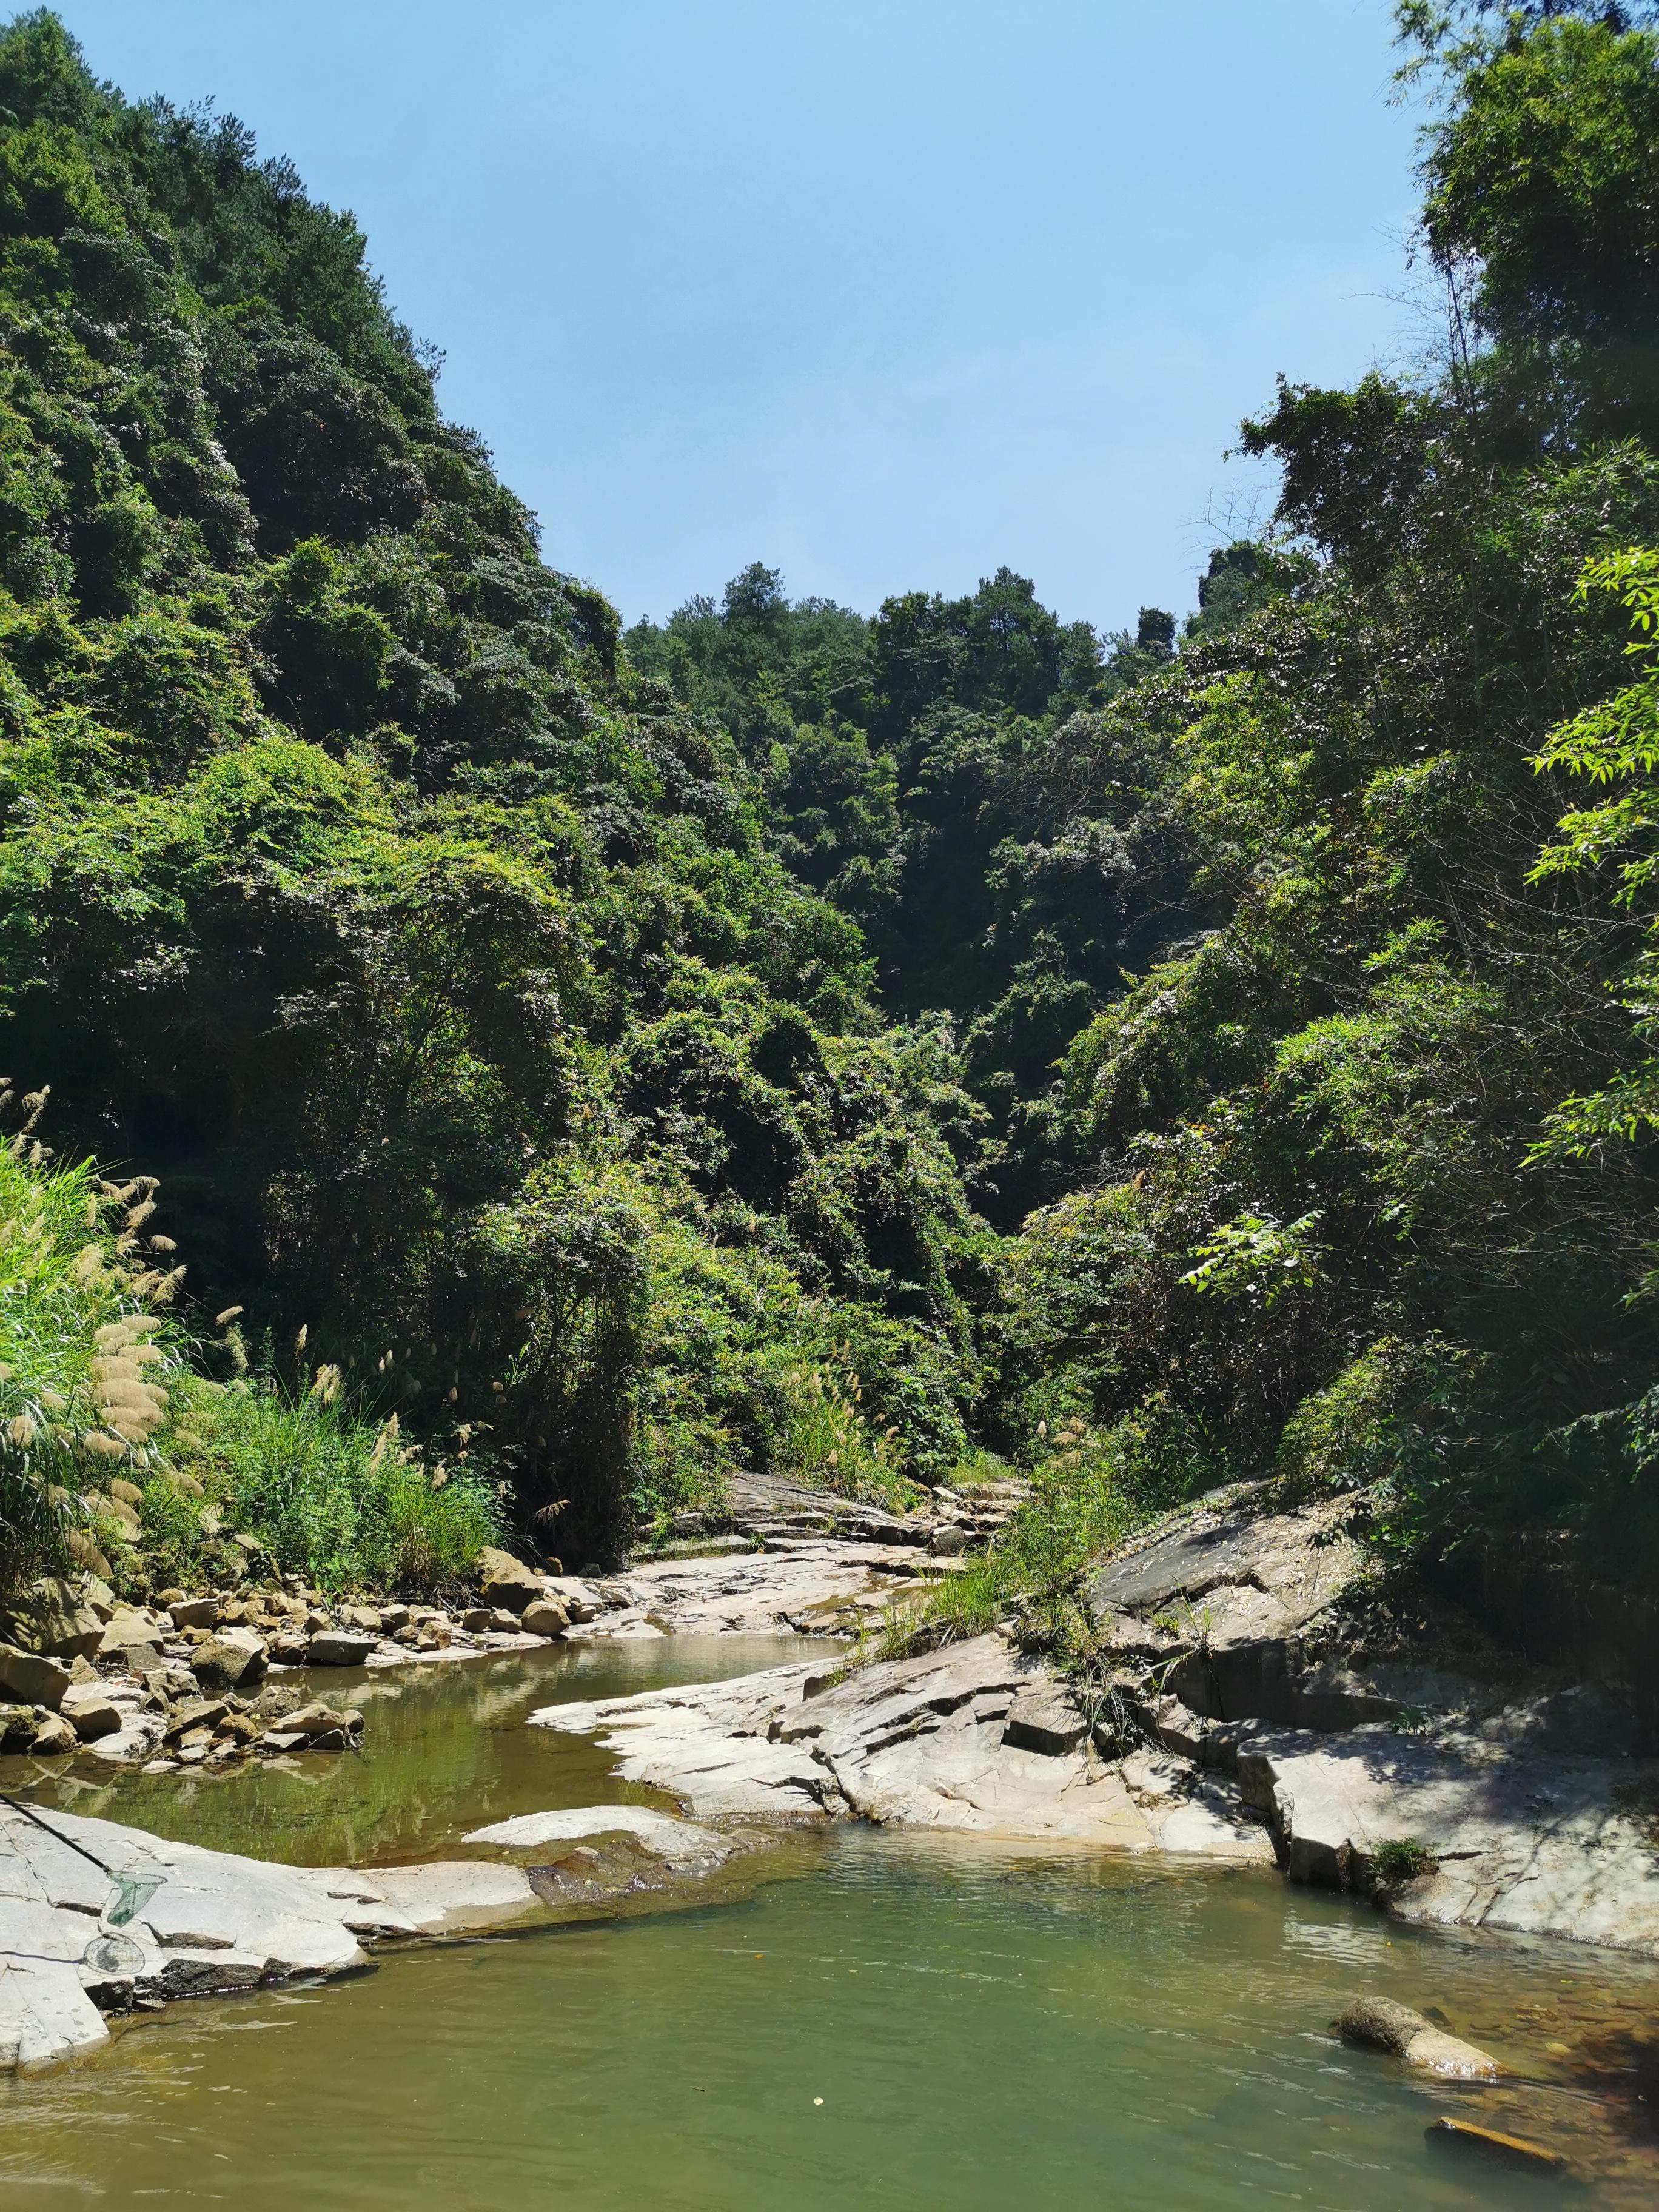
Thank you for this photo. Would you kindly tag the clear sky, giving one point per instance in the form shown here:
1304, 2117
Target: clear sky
884, 293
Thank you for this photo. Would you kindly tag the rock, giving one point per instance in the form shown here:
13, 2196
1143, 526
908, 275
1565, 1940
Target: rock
126, 1632
949, 1542
461, 1894
1508, 2150
89, 1711
1534, 1845
912, 1742
97, 1596
476, 1618
195, 1613
1241, 1593
50, 1618
680, 1842
318, 1719
17, 1726
362, 1616
1045, 1719
544, 1616
52, 1734
205, 1713
1382, 2025
579, 1599
340, 1647
506, 1581
235, 1658
31, 1678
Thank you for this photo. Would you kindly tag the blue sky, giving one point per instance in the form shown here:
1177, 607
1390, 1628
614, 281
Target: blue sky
885, 293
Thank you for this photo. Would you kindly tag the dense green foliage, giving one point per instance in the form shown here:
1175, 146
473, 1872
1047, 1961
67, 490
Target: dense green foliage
841, 1043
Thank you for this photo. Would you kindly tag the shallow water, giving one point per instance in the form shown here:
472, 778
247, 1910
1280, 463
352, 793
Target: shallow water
984, 2026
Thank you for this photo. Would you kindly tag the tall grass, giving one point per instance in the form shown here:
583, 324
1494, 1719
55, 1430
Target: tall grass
823, 1436
119, 1454
325, 1492
83, 1363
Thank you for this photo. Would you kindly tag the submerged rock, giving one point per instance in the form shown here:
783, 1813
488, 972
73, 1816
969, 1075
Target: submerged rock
1493, 2143
1385, 2026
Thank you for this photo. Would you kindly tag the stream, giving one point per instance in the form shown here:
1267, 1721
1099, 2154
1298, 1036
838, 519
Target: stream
872, 2018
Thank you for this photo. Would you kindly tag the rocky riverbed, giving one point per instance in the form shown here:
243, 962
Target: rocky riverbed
1254, 1704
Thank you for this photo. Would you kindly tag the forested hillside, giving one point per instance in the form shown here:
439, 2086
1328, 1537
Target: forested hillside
847, 1044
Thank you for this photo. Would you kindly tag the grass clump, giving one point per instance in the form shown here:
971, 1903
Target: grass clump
823, 1438
1400, 1859
1083, 1500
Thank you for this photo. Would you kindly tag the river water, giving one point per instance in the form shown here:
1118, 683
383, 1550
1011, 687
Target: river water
872, 2021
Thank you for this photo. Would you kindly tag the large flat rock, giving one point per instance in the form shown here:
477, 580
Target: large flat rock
1535, 1846
1223, 1577
805, 1585
916, 1743
215, 1921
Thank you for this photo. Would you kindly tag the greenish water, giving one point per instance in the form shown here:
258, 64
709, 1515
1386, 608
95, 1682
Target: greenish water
985, 2028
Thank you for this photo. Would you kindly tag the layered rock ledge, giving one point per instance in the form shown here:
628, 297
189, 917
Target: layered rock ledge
1252, 1707
976, 1738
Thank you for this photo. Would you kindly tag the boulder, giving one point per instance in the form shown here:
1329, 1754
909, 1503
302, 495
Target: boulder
319, 1718
1045, 1718
227, 1661
52, 1734
949, 1542
90, 1712
340, 1647
31, 1678
366, 1617
126, 1630
17, 1726
506, 1581
544, 1616
51, 1619
1382, 2025
195, 1613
